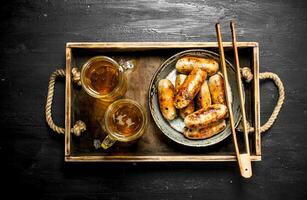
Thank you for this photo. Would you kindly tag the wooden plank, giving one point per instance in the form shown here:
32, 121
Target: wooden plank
33, 35
68, 102
154, 45
256, 100
219, 158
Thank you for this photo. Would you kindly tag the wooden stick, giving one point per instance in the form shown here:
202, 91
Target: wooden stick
242, 103
243, 159
239, 84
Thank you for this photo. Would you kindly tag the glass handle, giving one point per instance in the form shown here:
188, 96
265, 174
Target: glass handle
108, 142
128, 66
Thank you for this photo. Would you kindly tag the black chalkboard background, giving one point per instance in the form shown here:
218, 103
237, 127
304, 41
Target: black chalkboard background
33, 36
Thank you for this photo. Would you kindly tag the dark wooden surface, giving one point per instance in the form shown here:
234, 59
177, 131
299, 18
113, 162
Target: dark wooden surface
153, 142
33, 37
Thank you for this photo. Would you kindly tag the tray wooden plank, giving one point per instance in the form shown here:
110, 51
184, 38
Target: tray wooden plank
153, 146
68, 102
256, 99
153, 45
190, 158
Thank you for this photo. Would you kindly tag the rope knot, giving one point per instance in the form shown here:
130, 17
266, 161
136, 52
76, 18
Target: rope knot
248, 126
78, 128
76, 76
247, 74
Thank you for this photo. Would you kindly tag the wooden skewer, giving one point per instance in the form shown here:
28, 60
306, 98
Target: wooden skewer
244, 161
239, 83
242, 103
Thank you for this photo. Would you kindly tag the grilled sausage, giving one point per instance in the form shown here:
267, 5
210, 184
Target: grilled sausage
204, 117
190, 87
204, 97
190, 108
217, 89
206, 132
186, 64
187, 110
179, 80
166, 99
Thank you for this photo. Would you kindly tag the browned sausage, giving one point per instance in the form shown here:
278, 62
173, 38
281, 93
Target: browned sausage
186, 64
166, 99
217, 89
204, 117
206, 132
179, 80
190, 87
190, 108
187, 110
204, 97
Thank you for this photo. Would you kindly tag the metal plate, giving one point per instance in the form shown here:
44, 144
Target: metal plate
173, 129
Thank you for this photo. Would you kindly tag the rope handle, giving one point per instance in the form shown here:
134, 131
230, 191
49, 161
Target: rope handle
79, 126
248, 76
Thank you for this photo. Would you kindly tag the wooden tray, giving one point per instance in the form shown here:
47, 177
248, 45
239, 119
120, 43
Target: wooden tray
154, 146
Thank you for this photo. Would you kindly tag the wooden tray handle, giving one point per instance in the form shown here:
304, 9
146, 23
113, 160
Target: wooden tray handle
248, 76
79, 126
